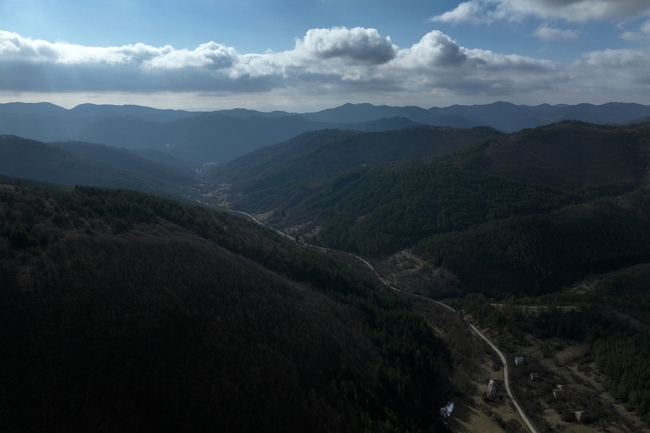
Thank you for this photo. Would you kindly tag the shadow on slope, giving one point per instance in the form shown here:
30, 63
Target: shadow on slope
122, 311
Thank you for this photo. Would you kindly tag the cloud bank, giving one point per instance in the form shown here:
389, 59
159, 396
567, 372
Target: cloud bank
486, 11
334, 64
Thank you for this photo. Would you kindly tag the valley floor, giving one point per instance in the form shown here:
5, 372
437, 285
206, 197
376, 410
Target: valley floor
475, 362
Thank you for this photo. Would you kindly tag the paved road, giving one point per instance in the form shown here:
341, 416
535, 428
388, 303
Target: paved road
255, 220
480, 334
505, 375
474, 328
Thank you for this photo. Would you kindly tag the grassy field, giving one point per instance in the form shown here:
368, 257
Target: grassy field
469, 418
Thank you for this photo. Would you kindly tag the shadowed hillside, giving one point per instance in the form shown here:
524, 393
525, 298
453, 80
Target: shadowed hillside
74, 163
537, 254
286, 166
125, 312
146, 161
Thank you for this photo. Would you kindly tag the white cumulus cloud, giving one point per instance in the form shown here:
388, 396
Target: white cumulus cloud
335, 63
435, 49
210, 55
357, 44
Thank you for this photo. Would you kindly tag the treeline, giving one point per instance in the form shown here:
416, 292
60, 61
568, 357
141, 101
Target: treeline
627, 289
128, 266
620, 352
623, 358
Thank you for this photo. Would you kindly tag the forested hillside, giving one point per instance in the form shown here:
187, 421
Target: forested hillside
381, 209
89, 164
521, 213
565, 155
147, 161
122, 311
537, 254
319, 153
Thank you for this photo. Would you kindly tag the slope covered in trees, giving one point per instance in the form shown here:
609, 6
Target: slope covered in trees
320, 153
524, 212
87, 164
123, 311
536, 254
565, 155
385, 208
147, 161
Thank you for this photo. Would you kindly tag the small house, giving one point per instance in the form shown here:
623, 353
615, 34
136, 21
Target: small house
534, 376
519, 360
492, 389
580, 415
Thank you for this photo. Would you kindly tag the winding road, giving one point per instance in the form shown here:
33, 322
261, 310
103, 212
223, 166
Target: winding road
474, 328
505, 376
479, 333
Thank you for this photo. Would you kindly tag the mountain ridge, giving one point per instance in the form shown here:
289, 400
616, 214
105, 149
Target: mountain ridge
222, 135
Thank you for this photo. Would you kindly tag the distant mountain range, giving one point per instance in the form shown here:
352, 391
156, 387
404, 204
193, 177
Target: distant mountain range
219, 136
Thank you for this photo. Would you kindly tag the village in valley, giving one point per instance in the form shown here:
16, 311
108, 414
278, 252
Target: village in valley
554, 380
557, 387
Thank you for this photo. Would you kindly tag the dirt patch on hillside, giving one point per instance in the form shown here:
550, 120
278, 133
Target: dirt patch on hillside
413, 274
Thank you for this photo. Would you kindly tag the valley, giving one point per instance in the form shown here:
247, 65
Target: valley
136, 262
557, 360
575, 203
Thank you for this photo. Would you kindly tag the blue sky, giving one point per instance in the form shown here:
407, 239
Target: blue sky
309, 55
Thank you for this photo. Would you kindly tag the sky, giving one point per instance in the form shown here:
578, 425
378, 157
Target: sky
307, 55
